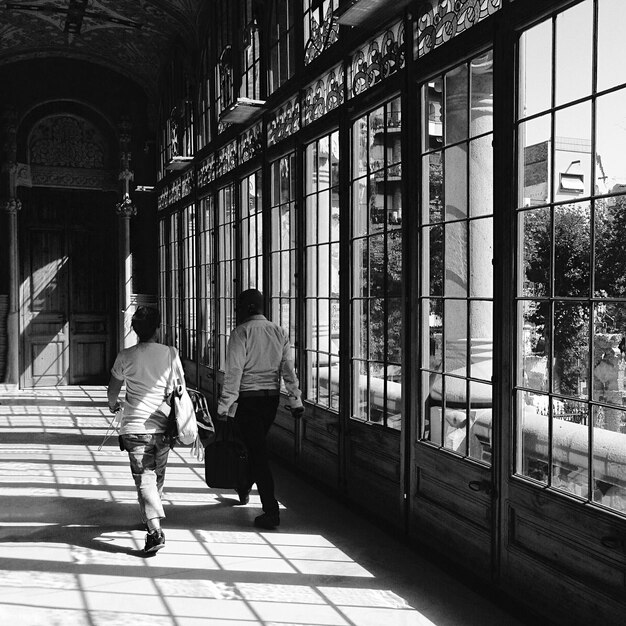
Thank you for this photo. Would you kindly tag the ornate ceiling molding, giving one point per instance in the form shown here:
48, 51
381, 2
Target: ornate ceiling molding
129, 37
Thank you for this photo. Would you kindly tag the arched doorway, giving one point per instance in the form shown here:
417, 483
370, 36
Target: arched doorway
68, 243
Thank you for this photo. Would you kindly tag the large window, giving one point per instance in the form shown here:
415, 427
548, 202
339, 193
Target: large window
226, 267
376, 246
171, 314
251, 230
283, 244
321, 174
188, 346
281, 44
251, 53
457, 250
571, 290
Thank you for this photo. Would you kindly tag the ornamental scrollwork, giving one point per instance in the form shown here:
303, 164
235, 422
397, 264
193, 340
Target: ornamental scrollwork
285, 122
323, 95
378, 59
67, 141
250, 143
322, 34
439, 22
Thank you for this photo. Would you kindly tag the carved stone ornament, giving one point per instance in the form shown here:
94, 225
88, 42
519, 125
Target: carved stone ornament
12, 205
126, 208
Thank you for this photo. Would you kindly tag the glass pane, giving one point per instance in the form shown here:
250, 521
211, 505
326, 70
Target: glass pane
359, 268
574, 46
535, 54
360, 325
359, 207
455, 334
433, 114
435, 327
611, 43
610, 141
376, 329
456, 259
572, 247
394, 263
481, 343
482, 94
311, 219
534, 232
532, 432
456, 105
394, 396
570, 447
570, 375
572, 152
433, 260
534, 345
455, 182
609, 347
609, 438
481, 414
455, 415
534, 140
481, 176
481, 259
360, 146
610, 235
359, 390
433, 409
433, 175
394, 330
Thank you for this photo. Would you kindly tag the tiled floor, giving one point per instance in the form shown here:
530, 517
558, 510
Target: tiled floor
70, 547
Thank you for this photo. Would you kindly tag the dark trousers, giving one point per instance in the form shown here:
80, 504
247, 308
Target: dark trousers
254, 417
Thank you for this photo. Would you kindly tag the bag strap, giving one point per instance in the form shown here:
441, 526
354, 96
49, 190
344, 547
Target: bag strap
181, 375
169, 387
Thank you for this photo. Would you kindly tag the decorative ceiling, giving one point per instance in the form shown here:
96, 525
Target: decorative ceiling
129, 36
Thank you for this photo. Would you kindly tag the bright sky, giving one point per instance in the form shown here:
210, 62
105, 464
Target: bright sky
573, 79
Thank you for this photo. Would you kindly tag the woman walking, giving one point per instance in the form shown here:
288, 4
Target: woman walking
149, 370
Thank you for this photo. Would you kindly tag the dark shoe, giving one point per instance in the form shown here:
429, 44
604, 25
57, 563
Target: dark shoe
154, 541
244, 496
269, 521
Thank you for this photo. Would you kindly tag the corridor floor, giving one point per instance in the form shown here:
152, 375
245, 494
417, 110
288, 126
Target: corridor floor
71, 549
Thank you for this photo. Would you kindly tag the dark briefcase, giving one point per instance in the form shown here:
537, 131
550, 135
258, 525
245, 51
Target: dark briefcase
226, 464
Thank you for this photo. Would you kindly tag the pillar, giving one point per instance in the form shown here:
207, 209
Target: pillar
12, 206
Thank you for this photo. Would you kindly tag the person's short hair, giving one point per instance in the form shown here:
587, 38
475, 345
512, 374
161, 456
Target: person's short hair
250, 302
145, 322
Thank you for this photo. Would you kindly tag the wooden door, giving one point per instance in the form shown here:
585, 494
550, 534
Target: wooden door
564, 501
452, 492
67, 288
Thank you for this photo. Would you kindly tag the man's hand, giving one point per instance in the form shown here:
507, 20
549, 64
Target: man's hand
298, 412
116, 407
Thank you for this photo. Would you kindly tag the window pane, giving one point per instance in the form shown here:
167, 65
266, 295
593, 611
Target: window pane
536, 259
573, 52
572, 246
571, 349
610, 141
532, 418
535, 158
535, 52
611, 43
534, 345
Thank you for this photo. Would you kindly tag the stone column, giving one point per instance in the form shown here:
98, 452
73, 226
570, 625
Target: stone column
125, 209
12, 206
468, 270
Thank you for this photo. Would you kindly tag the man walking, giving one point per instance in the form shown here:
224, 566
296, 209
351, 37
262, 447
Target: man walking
258, 355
